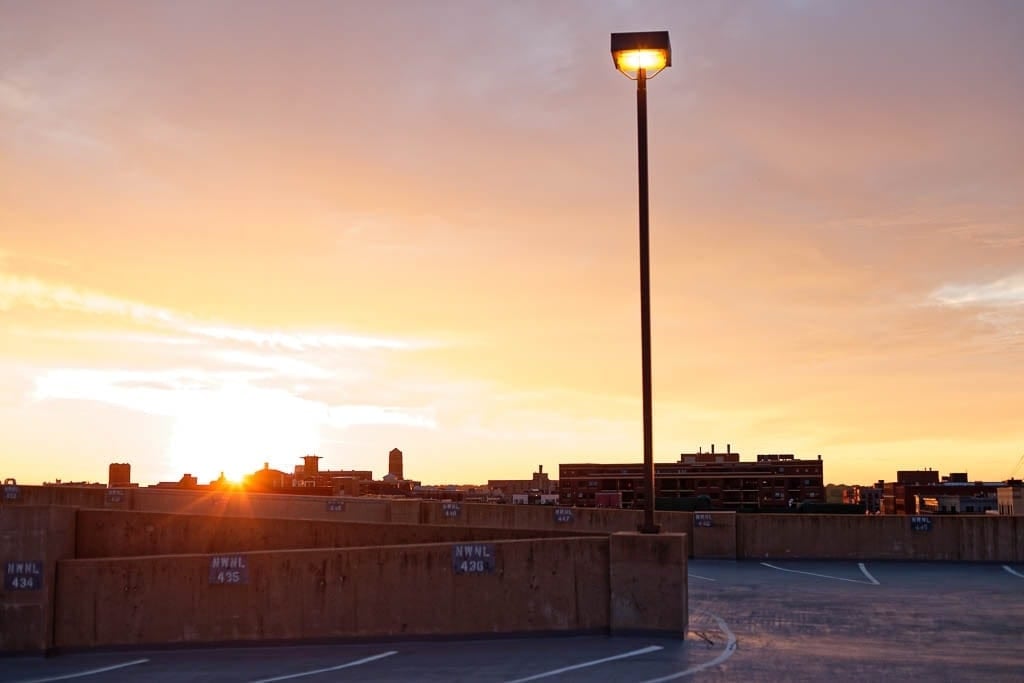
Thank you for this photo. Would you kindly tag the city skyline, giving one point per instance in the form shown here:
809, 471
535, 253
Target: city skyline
230, 237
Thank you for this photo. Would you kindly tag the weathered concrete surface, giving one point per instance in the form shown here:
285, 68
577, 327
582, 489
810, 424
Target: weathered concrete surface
404, 511
273, 505
718, 541
885, 537
72, 496
991, 539
648, 580
395, 510
537, 586
107, 533
30, 533
965, 538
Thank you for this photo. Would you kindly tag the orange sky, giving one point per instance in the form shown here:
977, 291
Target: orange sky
232, 234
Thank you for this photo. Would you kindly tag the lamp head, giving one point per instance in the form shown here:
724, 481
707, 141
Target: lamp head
647, 50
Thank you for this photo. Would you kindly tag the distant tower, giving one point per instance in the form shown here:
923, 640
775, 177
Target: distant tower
395, 463
119, 474
312, 466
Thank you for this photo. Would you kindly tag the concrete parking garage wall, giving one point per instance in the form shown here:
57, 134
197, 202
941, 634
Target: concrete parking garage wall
883, 537
396, 510
116, 533
648, 583
71, 496
717, 541
33, 539
991, 538
536, 586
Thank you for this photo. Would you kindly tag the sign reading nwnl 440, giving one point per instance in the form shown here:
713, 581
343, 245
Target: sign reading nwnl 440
473, 558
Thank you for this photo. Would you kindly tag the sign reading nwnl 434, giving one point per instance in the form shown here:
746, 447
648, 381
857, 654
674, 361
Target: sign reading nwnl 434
22, 575
473, 558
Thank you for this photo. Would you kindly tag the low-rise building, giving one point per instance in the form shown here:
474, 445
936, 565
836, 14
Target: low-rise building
772, 482
1010, 498
955, 503
914, 488
538, 485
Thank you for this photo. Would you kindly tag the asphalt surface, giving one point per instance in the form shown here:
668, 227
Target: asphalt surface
751, 621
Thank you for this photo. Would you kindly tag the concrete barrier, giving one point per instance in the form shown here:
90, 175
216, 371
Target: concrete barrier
233, 503
714, 535
32, 541
884, 537
71, 496
267, 505
991, 539
531, 586
110, 533
978, 538
648, 583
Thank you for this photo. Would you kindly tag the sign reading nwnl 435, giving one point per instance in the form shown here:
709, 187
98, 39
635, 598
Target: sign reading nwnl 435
229, 569
473, 558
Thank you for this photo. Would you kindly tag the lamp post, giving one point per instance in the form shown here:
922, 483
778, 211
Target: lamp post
641, 56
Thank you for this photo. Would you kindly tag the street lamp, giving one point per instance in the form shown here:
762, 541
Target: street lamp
640, 56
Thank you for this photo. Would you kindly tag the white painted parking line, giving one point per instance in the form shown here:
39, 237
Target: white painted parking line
594, 662
697, 576
730, 649
820, 576
364, 660
90, 672
1012, 571
868, 574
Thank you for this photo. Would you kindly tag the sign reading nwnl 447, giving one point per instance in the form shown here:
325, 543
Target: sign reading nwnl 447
473, 558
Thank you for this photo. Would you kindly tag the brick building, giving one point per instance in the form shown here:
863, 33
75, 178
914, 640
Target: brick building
539, 484
1010, 498
772, 482
953, 494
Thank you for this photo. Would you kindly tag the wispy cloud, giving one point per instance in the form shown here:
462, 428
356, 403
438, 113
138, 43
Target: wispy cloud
1007, 291
275, 363
224, 396
299, 341
104, 337
18, 290
15, 98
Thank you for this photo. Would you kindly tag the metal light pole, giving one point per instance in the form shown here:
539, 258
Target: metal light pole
635, 54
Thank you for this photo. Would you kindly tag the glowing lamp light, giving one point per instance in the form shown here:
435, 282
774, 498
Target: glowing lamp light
641, 54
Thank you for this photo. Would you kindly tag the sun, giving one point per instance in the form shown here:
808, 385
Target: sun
234, 431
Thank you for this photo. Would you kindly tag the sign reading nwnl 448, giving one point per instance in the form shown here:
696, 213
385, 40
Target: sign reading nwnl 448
473, 558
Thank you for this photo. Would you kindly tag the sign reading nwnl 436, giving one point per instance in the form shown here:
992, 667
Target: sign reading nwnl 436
473, 558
